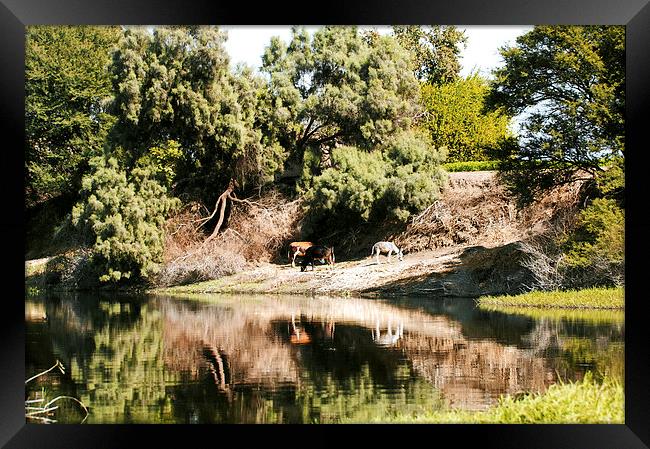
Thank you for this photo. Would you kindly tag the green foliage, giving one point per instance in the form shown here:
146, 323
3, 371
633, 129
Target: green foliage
345, 106
471, 166
163, 160
581, 402
456, 119
435, 51
569, 82
122, 219
596, 298
334, 88
174, 84
599, 240
66, 90
400, 179
611, 182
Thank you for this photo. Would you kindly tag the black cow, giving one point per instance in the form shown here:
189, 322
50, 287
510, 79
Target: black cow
317, 252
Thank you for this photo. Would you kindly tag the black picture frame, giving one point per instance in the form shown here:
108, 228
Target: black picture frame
16, 14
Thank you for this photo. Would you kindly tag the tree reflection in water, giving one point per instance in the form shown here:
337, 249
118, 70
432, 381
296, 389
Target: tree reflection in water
279, 359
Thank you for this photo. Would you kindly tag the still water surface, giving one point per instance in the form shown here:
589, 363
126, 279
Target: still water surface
270, 359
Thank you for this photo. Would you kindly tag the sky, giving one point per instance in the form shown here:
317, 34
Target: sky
246, 44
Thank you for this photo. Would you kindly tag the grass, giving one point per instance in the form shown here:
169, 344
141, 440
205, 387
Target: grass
594, 316
581, 402
471, 166
591, 298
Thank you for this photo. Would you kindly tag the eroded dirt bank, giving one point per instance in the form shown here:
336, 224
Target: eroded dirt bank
458, 271
466, 244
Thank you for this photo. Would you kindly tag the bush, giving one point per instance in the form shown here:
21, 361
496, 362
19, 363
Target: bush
580, 251
203, 264
596, 251
121, 220
394, 181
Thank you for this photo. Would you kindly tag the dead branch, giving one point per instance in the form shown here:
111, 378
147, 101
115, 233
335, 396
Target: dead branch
58, 364
250, 203
222, 199
32, 412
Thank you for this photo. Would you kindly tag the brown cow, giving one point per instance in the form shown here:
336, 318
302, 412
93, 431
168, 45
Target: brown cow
297, 249
317, 252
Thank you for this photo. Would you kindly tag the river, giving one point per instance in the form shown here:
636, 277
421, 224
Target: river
279, 359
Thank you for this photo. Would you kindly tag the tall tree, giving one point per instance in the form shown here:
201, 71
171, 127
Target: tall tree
175, 84
67, 87
336, 89
569, 84
457, 120
346, 106
435, 51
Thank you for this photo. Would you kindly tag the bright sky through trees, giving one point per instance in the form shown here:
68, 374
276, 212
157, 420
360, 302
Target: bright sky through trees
246, 43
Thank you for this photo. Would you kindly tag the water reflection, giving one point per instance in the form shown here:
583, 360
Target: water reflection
260, 359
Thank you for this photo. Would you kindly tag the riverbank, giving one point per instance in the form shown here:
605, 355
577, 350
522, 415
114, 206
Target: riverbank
467, 244
458, 271
592, 298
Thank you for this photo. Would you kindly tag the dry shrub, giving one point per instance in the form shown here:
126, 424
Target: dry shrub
475, 208
203, 263
549, 264
187, 259
182, 232
256, 231
263, 227
545, 257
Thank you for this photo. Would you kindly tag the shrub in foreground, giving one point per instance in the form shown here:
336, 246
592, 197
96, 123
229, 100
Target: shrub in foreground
583, 402
396, 180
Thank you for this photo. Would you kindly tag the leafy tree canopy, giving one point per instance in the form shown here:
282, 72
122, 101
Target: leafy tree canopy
174, 87
67, 88
334, 88
435, 51
456, 119
347, 106
569, 82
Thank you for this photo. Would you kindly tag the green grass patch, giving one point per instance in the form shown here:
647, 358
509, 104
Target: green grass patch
594, 298
197, 287
593, 316
471, 166
583, 402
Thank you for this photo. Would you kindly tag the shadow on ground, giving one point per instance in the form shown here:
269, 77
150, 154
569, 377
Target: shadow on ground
475, 272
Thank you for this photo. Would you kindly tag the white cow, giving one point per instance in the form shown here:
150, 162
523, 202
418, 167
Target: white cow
386, 247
